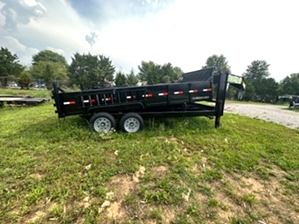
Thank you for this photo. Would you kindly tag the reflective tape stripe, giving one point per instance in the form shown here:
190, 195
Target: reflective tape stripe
207, 90
148, 95
178, 92
193, 91
87, 101
69, 103
130, 97
163, 94
107, 99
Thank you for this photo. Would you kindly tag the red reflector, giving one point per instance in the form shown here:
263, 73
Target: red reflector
93, 100
207, 90
108, 99
72, 102
149, 95
134, 97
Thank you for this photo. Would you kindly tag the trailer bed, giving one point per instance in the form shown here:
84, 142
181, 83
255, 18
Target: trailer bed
21, 100
168, 100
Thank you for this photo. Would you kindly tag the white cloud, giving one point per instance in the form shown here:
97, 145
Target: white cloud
184, 32
24, 53
92, 38
21, 12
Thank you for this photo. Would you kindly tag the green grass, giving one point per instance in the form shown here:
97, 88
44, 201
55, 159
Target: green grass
61, 172
25, 92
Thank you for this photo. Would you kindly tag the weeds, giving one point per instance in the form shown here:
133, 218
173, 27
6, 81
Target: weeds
49, 169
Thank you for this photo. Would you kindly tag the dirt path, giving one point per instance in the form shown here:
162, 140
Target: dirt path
271, 113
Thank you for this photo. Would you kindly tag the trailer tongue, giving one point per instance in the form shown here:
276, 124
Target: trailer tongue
128, 106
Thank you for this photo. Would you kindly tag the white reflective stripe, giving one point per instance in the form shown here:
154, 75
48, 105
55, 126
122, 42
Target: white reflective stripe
161, 94
178, 92
147, 95
69, 103
193, 91
206, 90
85, 101
129, 97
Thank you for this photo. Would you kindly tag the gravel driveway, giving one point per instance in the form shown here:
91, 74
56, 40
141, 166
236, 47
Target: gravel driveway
272, 113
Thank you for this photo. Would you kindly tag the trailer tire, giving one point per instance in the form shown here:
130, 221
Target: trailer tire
131, 123
102, 122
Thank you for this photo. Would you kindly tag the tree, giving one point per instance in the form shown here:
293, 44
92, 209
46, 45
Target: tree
267, 89
91, 70
120, 79
49, 56
9, 65
257, 75
131, 79
149, 72
170, 73
250, 92
49, 72
218, 61
24, 79
153, 73
257, 70
290, 85
107, 70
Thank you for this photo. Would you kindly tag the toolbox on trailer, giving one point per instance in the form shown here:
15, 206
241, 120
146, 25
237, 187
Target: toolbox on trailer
127, 106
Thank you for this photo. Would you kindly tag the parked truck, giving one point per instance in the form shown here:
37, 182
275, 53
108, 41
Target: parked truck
127, 107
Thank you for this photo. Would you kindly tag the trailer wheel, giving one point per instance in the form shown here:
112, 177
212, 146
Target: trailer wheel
102, 122
131, 122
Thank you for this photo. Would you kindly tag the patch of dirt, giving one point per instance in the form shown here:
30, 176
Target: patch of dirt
159, 171
269, 204
37, 176
40, 211
121, 186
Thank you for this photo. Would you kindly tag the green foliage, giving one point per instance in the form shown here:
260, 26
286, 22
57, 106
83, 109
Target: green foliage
49, 72
9, 65
120, 79
153, 73
131, 79
49, 56
290, 85
25, 79
250, 92
217, 61
257, 70
259, 86
60, 171
91, 70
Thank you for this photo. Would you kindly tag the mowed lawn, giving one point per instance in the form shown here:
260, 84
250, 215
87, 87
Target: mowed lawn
179, 170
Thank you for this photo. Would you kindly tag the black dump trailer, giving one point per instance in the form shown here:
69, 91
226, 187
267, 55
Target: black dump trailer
127, 106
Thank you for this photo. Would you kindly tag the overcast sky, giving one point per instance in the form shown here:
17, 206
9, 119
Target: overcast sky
182, 32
